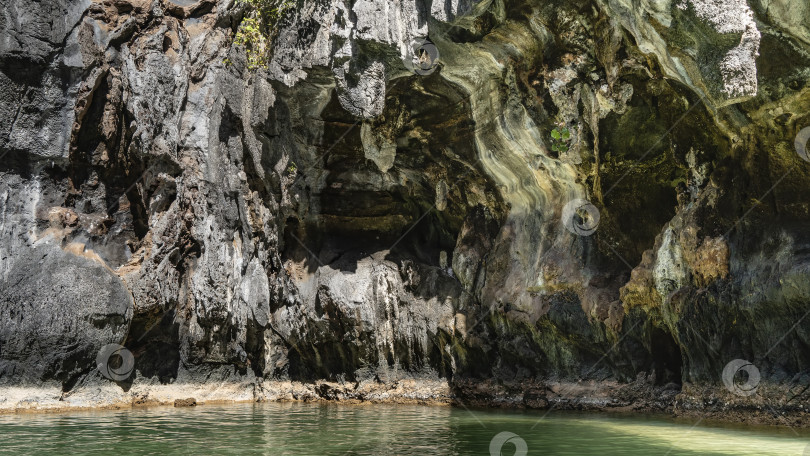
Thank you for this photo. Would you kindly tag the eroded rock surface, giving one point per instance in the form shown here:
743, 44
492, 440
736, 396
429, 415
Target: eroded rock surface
337, 227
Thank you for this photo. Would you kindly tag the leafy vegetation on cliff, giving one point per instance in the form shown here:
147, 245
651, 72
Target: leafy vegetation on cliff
257, 29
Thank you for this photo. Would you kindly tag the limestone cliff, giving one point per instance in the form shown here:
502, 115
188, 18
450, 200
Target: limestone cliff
588, 203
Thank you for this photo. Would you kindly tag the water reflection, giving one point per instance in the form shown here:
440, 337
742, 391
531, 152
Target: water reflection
329, 429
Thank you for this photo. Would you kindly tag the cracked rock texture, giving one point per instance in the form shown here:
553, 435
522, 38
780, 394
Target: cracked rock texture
337, 227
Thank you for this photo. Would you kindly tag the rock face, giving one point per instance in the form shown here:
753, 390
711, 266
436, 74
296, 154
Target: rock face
587, 203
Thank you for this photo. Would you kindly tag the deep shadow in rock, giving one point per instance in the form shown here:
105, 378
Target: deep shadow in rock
155, 345
666, 354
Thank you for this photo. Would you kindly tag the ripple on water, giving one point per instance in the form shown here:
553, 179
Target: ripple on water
330, 429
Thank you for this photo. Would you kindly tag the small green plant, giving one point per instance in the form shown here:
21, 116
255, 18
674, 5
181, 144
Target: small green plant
292, 169
258, 28
560, 137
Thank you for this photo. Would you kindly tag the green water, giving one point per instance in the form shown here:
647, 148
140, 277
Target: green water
312, 429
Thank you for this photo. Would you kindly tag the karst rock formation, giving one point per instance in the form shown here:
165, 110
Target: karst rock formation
581, 204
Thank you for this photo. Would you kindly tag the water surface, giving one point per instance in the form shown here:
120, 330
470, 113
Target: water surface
330, 429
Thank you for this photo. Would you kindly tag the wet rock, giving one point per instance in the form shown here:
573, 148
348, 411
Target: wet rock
188, 402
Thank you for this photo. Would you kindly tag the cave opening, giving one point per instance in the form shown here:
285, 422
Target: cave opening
409, 210
667, 358
412, 211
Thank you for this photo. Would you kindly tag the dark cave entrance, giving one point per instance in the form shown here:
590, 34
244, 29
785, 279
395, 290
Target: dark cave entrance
360, 210
667, 357
414, 212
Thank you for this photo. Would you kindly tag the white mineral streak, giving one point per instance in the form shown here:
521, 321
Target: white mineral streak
670, 271
739, 66
737, 70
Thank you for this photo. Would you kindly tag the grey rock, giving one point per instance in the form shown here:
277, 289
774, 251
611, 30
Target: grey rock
336, 220
58, 310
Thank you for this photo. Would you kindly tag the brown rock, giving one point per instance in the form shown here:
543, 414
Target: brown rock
188, 402
711, 260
